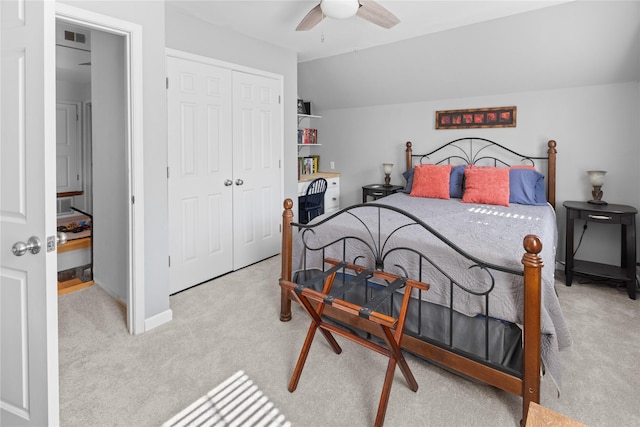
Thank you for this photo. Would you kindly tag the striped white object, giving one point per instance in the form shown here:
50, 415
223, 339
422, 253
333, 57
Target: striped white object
235, 402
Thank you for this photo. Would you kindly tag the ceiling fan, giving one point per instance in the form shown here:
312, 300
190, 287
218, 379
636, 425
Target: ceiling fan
342, 9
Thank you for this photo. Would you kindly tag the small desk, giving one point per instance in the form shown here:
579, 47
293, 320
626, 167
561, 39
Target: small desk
605, 214
378, 191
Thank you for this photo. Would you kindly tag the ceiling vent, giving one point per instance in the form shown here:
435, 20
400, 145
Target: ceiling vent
75, 37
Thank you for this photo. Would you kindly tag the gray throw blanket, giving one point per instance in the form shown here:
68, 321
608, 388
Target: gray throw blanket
493, 234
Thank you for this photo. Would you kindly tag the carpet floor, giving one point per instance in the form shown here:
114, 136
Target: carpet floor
110, 378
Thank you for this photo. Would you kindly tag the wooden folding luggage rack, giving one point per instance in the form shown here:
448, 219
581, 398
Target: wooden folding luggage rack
391, 329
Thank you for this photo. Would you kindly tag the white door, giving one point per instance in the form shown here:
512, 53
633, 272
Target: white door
28, 286
257, 145
200, 172
68, 148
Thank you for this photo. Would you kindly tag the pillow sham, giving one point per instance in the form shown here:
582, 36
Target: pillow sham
408, 175
456, 182
486, 184
431, 181
526, 187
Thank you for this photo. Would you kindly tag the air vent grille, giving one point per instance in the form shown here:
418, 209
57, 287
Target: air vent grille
75, 37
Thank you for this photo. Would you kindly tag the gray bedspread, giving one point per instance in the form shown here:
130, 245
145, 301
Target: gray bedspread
493, 234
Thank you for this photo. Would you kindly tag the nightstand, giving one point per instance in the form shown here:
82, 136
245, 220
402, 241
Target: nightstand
378, 190
604, 214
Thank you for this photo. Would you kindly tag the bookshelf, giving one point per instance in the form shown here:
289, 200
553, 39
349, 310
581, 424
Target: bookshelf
305, 135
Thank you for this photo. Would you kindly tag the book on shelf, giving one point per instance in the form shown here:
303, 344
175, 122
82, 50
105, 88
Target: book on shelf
307, 136
308, 165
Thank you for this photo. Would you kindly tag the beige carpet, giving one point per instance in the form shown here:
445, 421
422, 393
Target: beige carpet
109, 378
237, 401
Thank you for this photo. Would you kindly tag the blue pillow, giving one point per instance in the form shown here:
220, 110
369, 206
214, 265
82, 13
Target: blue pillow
526, 187
408, 175
456, 181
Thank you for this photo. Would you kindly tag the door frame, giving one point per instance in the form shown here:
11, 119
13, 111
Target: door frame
132, 34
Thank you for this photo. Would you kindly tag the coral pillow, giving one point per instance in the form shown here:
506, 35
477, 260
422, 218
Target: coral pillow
431, 181
489, 185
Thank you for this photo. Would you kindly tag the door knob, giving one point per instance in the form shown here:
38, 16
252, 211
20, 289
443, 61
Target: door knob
61, 238
33, 245
239, 181
227, 182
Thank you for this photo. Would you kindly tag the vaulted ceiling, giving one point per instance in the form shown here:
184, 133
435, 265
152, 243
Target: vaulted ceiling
275, 21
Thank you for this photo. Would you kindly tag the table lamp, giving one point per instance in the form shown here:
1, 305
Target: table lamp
387, 171
596, 178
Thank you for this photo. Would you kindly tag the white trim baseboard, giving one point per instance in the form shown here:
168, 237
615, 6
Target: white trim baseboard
158, 319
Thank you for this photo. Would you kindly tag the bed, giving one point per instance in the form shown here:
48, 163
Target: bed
491, 312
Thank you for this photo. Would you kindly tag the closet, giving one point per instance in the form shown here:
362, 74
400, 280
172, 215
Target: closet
224, 167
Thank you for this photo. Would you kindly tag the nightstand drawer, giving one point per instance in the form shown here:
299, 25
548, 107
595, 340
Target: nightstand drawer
597, 216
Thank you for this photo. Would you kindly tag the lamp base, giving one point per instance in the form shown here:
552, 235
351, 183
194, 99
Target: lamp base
598, 202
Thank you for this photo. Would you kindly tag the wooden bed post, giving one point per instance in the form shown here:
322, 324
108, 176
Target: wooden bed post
408, 160
532, 303
551, 173
287, 218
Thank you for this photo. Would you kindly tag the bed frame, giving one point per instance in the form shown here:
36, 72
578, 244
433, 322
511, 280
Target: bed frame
475, 151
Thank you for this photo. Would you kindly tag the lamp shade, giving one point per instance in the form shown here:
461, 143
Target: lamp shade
387, 167
596, 178
339, 9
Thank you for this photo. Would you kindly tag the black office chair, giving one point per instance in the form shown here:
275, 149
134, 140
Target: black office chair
312, 203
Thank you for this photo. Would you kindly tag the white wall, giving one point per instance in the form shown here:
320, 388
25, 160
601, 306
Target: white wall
150, 16
69, 91
110, 170
595, 128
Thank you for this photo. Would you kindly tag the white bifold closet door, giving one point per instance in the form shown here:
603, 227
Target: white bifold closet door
224, 170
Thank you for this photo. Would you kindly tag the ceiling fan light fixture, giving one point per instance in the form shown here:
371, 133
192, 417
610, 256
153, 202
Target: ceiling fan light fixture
339, 9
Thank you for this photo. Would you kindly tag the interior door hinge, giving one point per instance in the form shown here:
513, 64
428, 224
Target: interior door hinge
169, 260
167, 82
167, 172
279, 100
133, 199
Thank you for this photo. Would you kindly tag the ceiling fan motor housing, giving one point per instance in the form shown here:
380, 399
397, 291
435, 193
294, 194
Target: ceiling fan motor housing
339, 9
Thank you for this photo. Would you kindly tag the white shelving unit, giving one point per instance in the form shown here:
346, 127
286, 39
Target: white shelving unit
301, 117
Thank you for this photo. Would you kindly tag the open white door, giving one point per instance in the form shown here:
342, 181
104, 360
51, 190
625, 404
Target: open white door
28, 286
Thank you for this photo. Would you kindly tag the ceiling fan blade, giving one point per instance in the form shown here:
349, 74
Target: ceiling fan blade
312, 19
377, 14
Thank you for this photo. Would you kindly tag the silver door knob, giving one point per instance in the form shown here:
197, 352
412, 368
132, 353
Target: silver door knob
61, 238
33, 245
227, 182
239, 181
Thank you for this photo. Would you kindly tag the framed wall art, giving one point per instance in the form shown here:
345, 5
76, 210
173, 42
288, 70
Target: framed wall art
497, 117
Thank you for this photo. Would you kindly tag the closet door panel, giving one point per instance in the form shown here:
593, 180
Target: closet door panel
256, 160
200, 161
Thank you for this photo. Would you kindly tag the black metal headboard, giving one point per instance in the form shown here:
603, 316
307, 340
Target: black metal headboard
484, 152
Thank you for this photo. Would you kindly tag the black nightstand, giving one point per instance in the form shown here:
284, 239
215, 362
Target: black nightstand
604, 214
378, 190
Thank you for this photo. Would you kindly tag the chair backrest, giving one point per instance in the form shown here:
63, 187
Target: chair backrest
315, 193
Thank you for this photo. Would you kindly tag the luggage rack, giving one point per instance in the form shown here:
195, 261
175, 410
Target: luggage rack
390, 328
